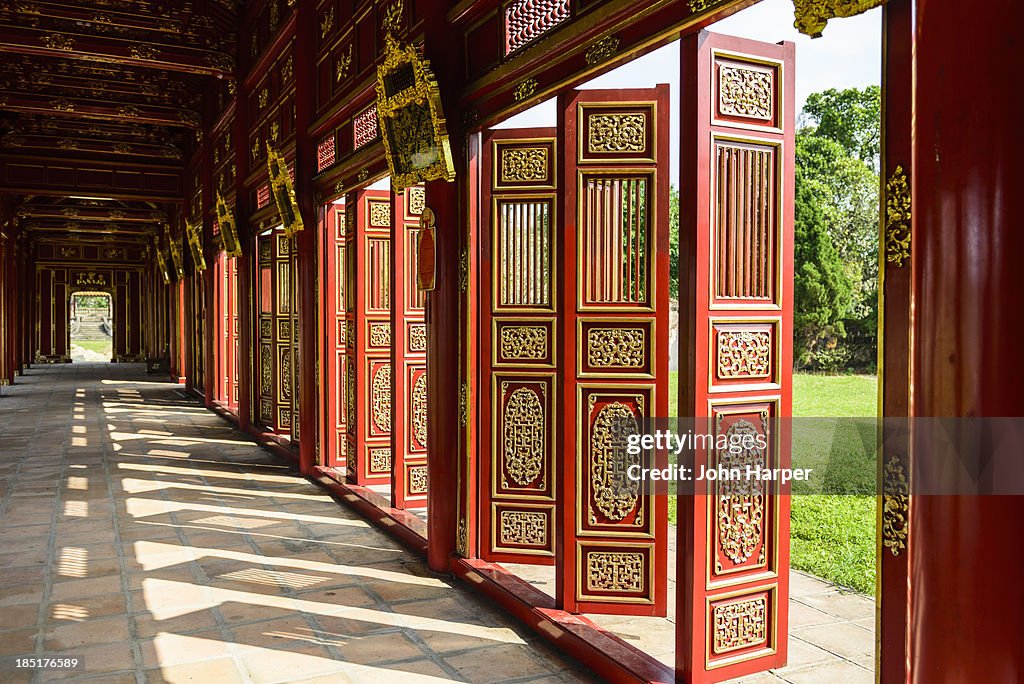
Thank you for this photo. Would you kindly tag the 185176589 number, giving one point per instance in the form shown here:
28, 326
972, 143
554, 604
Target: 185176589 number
46, 663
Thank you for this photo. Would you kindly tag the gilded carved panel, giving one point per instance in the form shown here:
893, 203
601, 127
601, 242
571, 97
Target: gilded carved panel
740, 624
615, 571
617, 133
523, 528
746, 92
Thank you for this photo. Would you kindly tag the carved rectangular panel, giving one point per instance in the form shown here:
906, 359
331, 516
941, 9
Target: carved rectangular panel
615, 234
613, 572
617, 133
524, 163
744, 353
617, 347
741, 627
748, 91
524, 343
524, 528
523, 445
523, 254
746, 234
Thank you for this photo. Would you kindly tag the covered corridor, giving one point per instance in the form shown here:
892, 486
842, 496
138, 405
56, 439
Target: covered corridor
141, 533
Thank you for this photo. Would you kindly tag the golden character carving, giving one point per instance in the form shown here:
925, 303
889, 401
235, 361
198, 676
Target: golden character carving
745, 92
619, 571
525, 89
617, 133
524, 342
615, 347
740, 503
419, 410
380, 398
740, 624
897, 218
524, 528
418, 480
523, 439
380, 334
418, 337
380, 460
895, 506
613, 492
524, 164
380, 214
744, 354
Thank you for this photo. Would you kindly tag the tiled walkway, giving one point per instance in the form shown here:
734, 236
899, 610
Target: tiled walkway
142, 534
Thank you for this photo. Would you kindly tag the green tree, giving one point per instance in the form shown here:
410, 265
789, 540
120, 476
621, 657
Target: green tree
673, 242
821, 285
851, 117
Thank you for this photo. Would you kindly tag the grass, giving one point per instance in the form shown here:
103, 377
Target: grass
833, 523
98, 346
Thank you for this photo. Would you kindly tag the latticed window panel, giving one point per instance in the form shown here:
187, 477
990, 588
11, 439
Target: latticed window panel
263, 196
527, 20
325, 153
364, 128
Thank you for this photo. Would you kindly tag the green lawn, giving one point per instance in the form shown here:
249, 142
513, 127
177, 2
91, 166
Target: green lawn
833, 533
98, 346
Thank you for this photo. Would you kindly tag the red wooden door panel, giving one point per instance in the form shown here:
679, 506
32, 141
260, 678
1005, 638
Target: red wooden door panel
334, 360
368, 336
408, 355
614, 332
736, 301
517, 389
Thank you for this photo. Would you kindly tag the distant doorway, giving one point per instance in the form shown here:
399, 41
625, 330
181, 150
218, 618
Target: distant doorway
92, 327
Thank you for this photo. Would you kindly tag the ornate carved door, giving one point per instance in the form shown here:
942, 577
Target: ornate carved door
368, 335
408, 355
276, 325
335, 362
518, 383
614, 333
736, 328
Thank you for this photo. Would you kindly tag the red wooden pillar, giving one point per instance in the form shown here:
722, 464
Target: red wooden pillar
305, 243
967, 605
894, 336
444, 338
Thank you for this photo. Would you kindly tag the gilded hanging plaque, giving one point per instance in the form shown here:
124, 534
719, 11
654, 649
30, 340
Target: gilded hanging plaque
283, 192
228, 229
411, 119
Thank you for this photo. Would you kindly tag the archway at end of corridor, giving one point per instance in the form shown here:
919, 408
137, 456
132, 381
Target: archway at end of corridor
91, 324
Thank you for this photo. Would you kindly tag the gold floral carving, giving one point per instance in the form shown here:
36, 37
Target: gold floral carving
524, 528
130, 111
380, 398
58, 41
524, 164
419, 409
524, 342
602, 50
380, 214
523, 445
417, 199
897, 218
615, 347
813, 15
614, 493
740, 503
464, 270
344, 65
619, 571
327, 22
380, 334
417, 337
462, 538
744, 354
701, 5
745, 92
63, 105
895, 506
418, 480
392, 18
464, 404
525, 89
143, 51
617, 133
350, 397
380, 460
266, 368
740, 624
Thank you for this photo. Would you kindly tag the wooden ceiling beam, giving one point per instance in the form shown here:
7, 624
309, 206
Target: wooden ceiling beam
93, 48
90, 146
81, 108
82, 213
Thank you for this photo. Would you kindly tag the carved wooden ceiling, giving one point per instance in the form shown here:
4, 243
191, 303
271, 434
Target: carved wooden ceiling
114, 82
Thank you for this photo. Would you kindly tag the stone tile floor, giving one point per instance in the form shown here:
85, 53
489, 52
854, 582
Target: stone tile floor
141, 533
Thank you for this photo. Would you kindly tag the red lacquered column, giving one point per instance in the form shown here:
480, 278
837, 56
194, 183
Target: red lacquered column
967, 599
